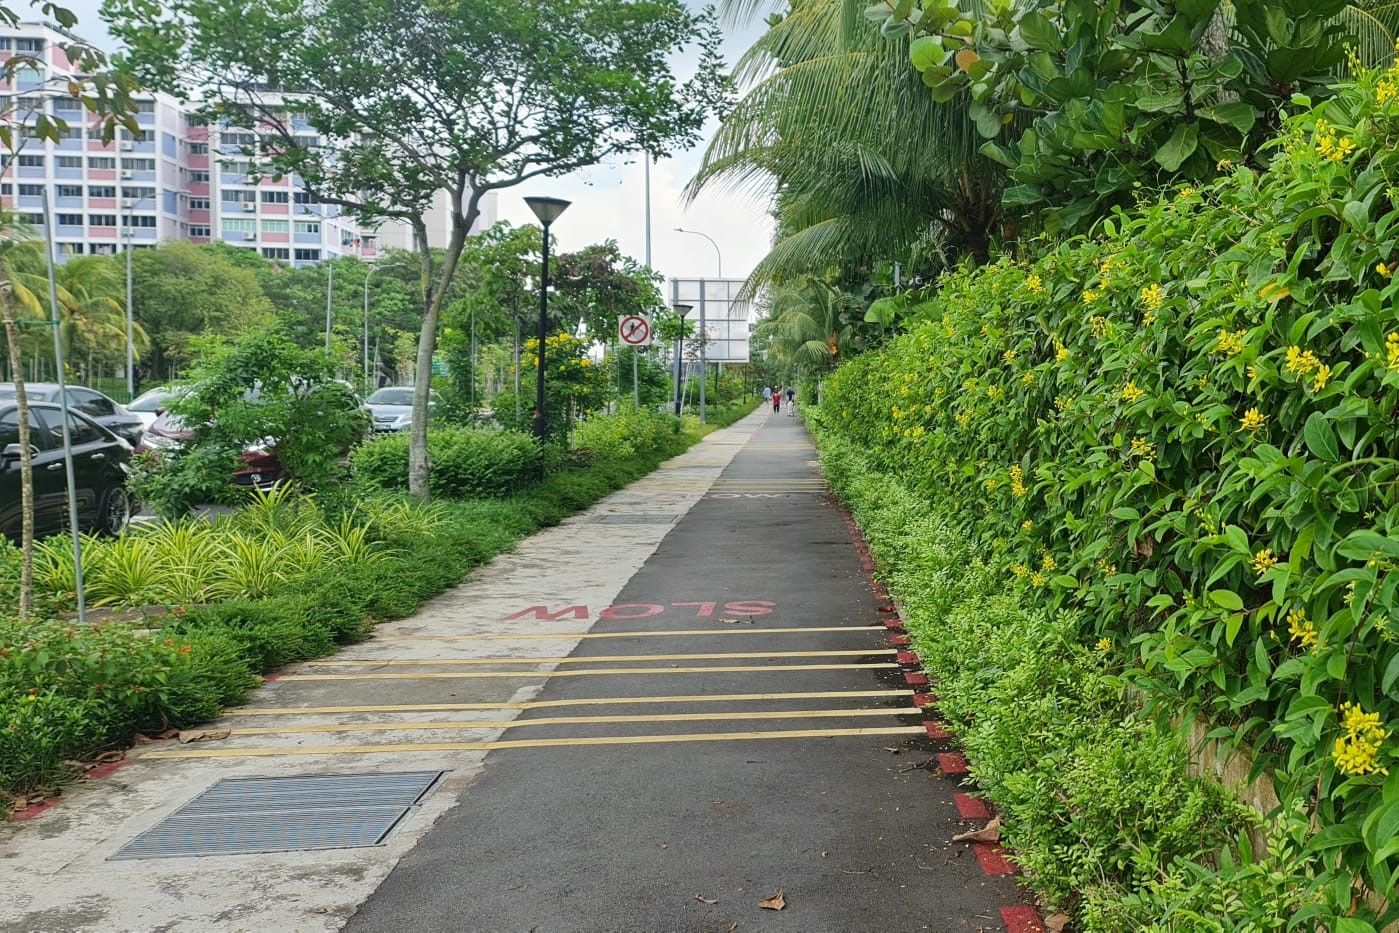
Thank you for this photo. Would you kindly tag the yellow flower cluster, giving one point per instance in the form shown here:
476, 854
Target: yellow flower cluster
1106, 568
1131, 393
1301, 362
1061, 352
1048, 564
1100, 325
1035, 284
1264, 560
1323, 376
1302, 629
1153, 297
1252, 421
1008, 356
1391, 350
1104, 644
1017, 481
1385, 271
1356, 752
1027, 379
994, 391
1062, 402
1186, 192
1020, 570
1090, 296
1231, 343
963, 419
1027, 525
1140, 448
1387, 89
1329, 146
1036, 579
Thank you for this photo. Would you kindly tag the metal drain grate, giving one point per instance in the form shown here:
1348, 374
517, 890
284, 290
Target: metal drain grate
246, 815
638, 518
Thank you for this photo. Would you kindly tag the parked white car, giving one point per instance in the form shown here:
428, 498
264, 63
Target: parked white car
392, 407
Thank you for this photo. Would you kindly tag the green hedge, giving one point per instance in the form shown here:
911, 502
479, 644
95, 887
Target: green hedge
466, 462
1183, 430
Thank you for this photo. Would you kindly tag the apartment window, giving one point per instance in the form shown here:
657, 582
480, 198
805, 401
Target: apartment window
239, 225
276, 252
308, 255
27, 103
145, 106
71, 132
70, 161
306, 226
70, 220
101, 163
233, 138
137, 193
239, 196
102, 220
142, 136
198, 178
31, 161
94, 131
67, 105
237, 166
138, 165
101, 191
70, 191
306, 142
200, 231
138, 220
306, 197
31, 191
275, 197
6, 44
276, 226
198, 148
29, 46
7, 189
36, 220
199, 204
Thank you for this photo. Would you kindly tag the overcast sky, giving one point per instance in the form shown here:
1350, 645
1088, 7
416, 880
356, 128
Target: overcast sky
609, 200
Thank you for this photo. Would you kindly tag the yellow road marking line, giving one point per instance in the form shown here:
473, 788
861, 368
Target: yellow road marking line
755, 668
577, 721
550, 704
530, 743
676, 633
610, 658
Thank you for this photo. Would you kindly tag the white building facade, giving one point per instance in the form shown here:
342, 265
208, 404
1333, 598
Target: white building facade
176, 179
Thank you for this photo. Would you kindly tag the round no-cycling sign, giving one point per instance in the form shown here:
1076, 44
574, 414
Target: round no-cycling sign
635, 330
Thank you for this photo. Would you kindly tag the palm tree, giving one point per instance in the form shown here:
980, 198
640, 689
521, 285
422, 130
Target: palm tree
91, 308
810, 325
866, 166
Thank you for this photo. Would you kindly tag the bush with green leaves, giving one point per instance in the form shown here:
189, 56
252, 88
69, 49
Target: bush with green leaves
466, 462
627, 433
255, 389
1096, 801
1183, 428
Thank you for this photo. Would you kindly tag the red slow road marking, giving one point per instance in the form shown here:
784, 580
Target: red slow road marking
935, 730
993, 859
952, 762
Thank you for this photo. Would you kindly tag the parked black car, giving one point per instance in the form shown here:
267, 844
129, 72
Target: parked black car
100, 467
90, 402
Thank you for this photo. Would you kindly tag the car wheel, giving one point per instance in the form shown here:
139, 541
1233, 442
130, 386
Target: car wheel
115, 514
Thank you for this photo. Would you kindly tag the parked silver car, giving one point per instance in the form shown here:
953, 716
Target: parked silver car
392, 407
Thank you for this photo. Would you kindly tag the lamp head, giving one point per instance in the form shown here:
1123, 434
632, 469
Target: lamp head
547, 209
682, 310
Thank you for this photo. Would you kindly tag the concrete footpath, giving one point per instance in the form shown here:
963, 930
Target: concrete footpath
654, 717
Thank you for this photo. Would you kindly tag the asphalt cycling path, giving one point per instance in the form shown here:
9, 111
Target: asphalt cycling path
750, 730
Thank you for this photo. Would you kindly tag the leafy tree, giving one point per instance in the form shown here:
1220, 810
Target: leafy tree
182, 291
461, 96
810, 325
597, 284
1100, 99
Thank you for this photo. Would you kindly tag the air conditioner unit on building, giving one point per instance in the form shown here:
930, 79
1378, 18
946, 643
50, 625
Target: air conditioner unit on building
128, 202
249, 206
128, 145
250, 236
128, 175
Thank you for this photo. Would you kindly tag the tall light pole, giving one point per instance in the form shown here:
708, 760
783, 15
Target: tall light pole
367, 274
329, 293
682, 310
718, 254
129, 206
548, 211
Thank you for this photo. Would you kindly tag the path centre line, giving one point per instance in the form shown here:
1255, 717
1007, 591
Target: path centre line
673, 633
577, 721
553, 704
607, 671
611, 658
530, 743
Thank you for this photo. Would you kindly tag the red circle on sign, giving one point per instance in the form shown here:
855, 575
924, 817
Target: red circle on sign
634, 331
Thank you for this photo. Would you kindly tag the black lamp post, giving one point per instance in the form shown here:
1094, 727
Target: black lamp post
681, 310
548, 211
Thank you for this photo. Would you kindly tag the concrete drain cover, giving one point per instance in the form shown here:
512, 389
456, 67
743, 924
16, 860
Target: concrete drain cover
238, 816
639, 518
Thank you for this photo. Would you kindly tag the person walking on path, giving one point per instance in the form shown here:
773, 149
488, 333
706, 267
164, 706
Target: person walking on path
776, 402
767, 393
791, 400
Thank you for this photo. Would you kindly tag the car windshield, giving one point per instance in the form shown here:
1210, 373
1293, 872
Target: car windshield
391, 397
7, 391
152, 400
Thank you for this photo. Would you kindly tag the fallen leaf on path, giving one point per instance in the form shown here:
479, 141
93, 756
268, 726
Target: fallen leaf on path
893, 749
991, 832
824, 853
737, 621
705, 900
203, 735
1055, 923
733, 927
665, 845
776, 902
111, 756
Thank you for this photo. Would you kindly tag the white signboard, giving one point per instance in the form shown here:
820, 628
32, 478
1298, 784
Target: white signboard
715, 302
634, 330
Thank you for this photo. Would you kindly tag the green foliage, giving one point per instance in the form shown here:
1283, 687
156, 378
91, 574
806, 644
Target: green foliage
574, 386
626, 434
255, 389
1182, 428
1100, 102
1096, 803
466, 462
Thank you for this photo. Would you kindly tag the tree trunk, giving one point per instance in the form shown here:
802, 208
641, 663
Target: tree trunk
1214, 44
26, 458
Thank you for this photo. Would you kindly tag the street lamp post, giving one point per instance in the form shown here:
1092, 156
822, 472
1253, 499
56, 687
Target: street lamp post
718, 255
548, 211
130, 205
681, 310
